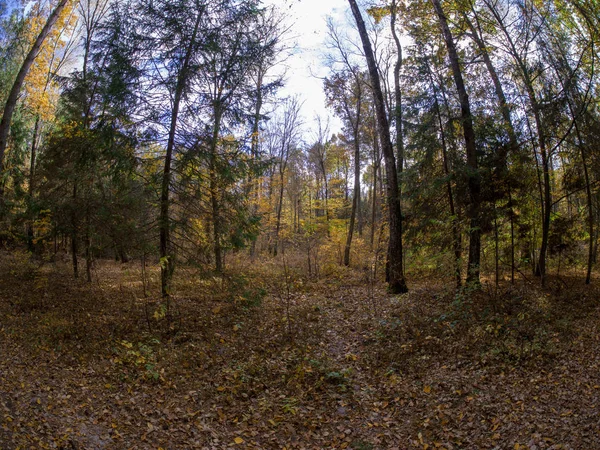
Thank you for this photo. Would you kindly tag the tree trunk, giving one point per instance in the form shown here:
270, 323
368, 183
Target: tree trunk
279, 209
32, 162
254, 188
356, 195
456, 239
74, 237
546, 200
13, 96
167, 263
397, 283
499, 90
374, 192
398, 98
214, 194
470, 145
88, 248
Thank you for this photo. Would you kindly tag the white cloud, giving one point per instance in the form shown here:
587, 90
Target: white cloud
307, 19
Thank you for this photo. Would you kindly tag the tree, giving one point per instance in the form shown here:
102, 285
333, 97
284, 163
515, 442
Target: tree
13, 96
345, 93
283, 139
397, 283
471, 149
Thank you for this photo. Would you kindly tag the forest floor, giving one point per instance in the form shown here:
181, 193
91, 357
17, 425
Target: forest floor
336, 363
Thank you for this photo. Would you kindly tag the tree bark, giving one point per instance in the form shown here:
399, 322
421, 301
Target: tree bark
214, 194
470, 145
13, 96
74, 234
546, 200
456, 239
167, 264
356, 195
32, 162
397, 283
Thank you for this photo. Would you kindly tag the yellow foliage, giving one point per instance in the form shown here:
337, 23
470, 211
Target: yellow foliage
40, 89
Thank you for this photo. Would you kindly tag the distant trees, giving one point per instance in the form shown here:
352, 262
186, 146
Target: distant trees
143, 127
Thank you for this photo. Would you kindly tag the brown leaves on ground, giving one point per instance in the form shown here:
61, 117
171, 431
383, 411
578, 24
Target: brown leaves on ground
99, 366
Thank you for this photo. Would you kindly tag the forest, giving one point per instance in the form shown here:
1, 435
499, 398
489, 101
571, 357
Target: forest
190, 259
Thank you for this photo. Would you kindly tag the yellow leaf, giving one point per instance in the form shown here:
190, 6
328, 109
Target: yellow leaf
216, 310
221, 388
238, 440
427, 389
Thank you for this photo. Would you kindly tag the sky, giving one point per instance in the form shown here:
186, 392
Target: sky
307, 19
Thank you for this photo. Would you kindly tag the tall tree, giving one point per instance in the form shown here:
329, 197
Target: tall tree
345, 91
13, 96
471, 148
170, 38
397, 283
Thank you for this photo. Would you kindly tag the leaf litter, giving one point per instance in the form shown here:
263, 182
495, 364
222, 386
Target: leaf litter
91, 366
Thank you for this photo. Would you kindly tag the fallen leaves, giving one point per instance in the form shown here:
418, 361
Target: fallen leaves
351, 379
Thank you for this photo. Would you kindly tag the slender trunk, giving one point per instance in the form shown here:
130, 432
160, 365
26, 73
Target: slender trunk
214, 193
254, 187
167, 262
477, 36
355, 198
470, 145
356, 194
588, 192
31, 190
88, 247
512, 238
374, 192
279, 209
540, 269
547, 195
456, 239
397, 98
499, 90
360, 215
540, 185
13, 96
74, 226
325, 184
496, 248
397, 283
